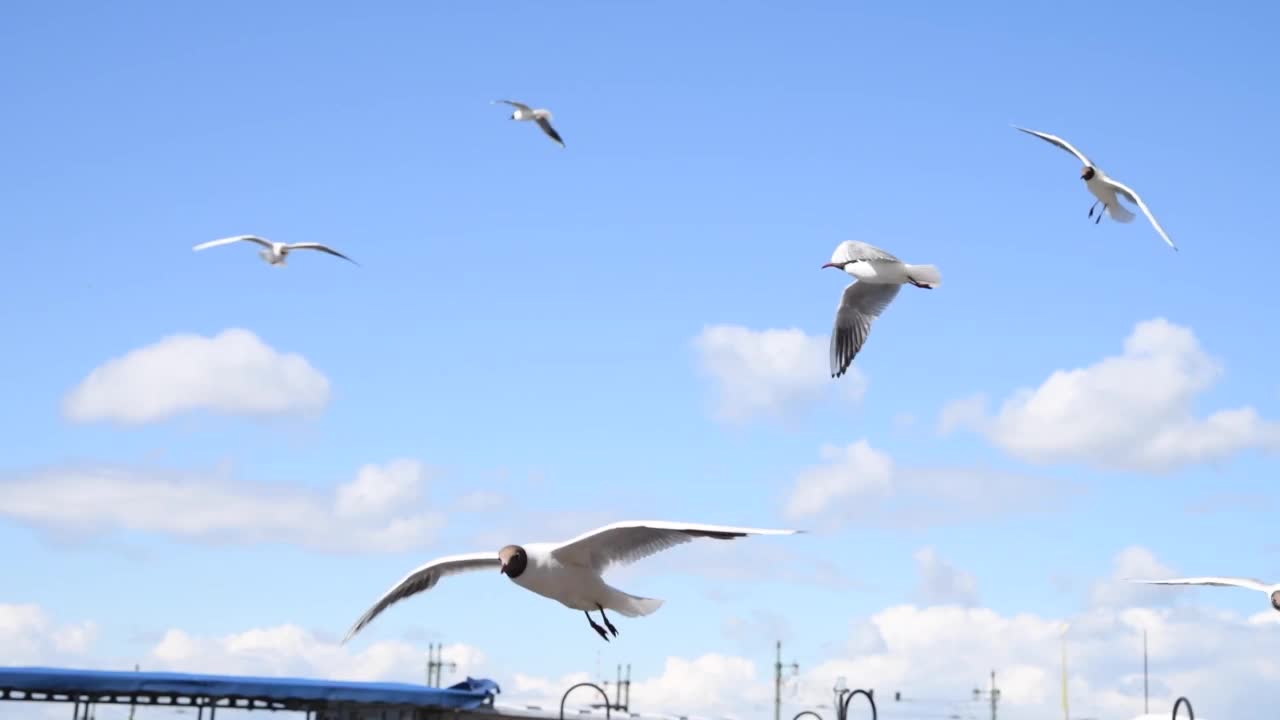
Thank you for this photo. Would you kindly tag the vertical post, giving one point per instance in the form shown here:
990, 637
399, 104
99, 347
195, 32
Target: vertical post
1066, 713
995, 695
777, 681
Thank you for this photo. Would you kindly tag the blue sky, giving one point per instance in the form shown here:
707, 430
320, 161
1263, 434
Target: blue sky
525, 320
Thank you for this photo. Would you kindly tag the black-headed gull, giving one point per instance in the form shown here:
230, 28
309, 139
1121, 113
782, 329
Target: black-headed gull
879, 277
540, 116
1104, 188
274, 252
569, 572
1249, 583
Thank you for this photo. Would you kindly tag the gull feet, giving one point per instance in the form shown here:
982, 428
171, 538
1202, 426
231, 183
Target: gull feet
597, 628
607, 624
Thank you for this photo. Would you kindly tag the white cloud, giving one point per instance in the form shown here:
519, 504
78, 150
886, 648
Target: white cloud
861, 484
289, 650
29, 636
852, 475
1134, 562
1228, 665
774, 373
942, 583
374, 512
1133, 411
232, 372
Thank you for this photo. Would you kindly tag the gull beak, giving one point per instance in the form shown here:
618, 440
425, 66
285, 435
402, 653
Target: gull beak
830, 265
503, 569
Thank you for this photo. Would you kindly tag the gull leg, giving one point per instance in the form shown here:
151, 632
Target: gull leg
596, 627
607, 624
1100, 214
1094, 205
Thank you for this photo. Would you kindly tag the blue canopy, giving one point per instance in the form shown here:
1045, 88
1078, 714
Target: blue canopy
469, 694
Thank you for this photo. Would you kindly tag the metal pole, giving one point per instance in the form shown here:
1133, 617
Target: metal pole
1066, 714
777, 684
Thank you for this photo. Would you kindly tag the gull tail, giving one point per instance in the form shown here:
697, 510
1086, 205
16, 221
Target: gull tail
1119, 212
927, 275
631, 605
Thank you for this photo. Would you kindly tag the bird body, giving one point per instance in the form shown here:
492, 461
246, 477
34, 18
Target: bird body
542, 116
569, 572
274, 253
880, 275
577, 587
1106, 189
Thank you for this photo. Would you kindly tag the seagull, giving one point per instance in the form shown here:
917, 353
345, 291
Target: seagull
275, 252
1104, 188
1249, 583
879, 277
540, 116
569, 572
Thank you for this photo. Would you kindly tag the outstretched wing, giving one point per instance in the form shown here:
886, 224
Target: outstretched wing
860, 305
1134, 198
517, 105
1059, 142
545, 124
235, 239
1249, 583
321, 248
625, 542
425, 578
851, 250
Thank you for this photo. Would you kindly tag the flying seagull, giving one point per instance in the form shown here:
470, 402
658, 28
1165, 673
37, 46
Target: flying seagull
274, 252
1249, 583
569, 572
1104, 188
879, 277
540, 116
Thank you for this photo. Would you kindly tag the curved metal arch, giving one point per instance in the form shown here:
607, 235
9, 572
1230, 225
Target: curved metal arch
803, 713
1179, 703
607, 708
844, 704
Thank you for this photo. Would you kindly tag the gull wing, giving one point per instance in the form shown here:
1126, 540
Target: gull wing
1136, 199
321, 248
1059, 142
860, 305
1249, 583
622, 543
422, 579
235, 239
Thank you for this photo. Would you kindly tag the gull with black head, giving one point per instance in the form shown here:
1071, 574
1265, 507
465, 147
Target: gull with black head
274, 253
569, 572
541, 116
880, 276
1104, 188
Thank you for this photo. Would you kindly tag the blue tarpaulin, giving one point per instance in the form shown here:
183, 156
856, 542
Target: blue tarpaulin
468, 694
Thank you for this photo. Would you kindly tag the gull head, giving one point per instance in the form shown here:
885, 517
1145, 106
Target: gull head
1275, 599
1087, 173
850, 266
514, 561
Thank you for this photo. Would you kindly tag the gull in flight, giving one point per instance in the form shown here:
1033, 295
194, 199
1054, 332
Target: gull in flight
1249, 583
879, 277
274, 252
569, 572
540, 116
1104, 188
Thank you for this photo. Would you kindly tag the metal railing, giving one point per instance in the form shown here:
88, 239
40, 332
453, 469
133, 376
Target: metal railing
607, 709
